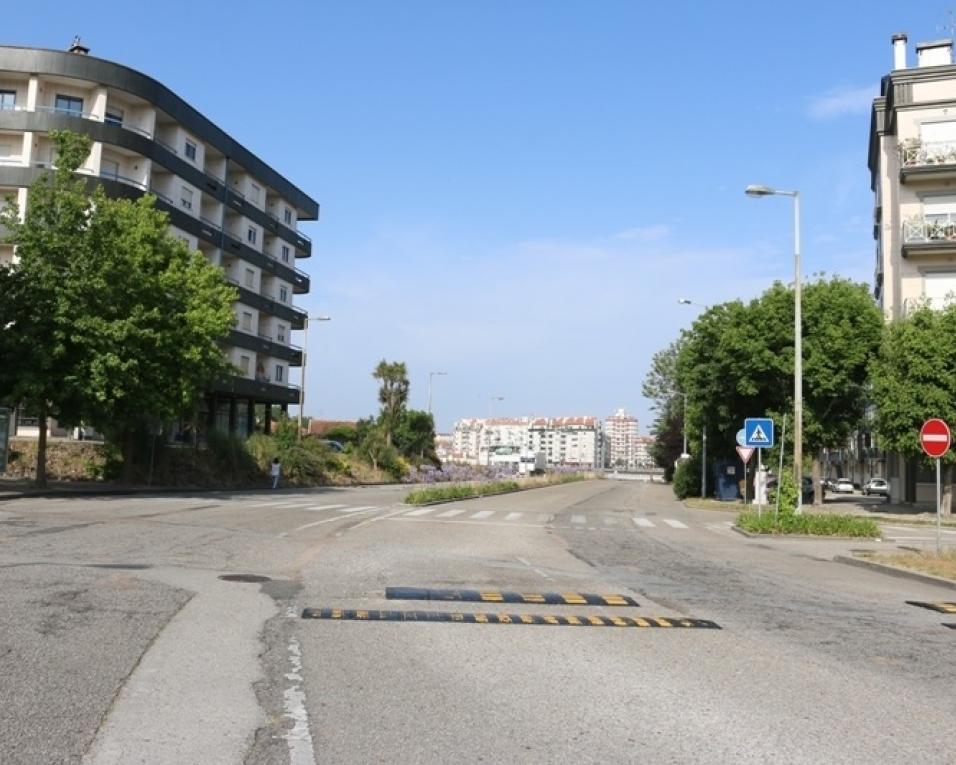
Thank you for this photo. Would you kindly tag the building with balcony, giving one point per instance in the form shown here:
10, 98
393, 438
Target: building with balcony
912, 163
620, 440
221, 199
567, 441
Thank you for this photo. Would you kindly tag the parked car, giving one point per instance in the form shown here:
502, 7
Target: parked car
877, 486
843, 486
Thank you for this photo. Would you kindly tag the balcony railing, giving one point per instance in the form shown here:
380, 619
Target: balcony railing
156, 192
933, 228
123, 179
920, 153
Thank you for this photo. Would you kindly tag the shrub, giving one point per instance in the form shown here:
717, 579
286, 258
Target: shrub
788, 494
687, 478
812, 524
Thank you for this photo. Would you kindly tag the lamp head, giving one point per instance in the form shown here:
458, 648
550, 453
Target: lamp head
756, 190
683, 301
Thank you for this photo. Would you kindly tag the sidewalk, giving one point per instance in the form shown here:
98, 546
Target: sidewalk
20, 488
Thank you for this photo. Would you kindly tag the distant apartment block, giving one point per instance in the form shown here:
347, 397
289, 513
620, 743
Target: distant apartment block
566, 441
222, 200
912, 163
642, 452
620, 438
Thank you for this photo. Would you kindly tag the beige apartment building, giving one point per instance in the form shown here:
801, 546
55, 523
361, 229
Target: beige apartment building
567, 441
912, 162
221, 199
620, 440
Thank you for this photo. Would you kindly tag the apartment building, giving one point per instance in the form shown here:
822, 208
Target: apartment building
642, 452
620, 440
912, 162
221, 199
567, 441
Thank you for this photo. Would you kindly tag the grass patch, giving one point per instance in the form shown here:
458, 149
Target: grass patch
811, 524
943, 565
473, 490
712, 504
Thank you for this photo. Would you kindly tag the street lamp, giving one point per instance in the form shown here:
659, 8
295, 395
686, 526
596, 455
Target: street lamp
685, 301
430, 375
766, 191
305, 357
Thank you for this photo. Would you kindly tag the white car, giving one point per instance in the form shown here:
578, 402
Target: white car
843, 486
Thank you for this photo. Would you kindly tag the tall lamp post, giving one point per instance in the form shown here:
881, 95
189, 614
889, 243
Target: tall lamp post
430, 376
703, 458
766, 191
305, 358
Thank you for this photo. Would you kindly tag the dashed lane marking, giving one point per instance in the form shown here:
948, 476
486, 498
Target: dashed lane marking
449, 513
422, 511
644, 523
945, 608
481, 514
513, 516
317, 508
675, 524
562, 620
579, 519
506, 596
334, 519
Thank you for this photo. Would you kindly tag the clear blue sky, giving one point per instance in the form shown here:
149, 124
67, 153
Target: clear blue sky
518, 192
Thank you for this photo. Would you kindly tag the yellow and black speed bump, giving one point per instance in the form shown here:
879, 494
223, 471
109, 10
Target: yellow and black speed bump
497, 596
555, 620
945, 608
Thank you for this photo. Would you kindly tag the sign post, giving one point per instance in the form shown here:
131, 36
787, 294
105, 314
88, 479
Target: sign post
935, 438
745, 453
758, 434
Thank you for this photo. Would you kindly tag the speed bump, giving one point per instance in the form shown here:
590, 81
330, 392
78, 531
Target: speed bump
557, 620
945, 608
498, 596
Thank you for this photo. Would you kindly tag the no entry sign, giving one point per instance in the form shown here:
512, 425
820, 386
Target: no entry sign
935, 438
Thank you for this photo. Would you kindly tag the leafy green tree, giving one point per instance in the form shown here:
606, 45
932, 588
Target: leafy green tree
42, 347
392, 394
415, 436
661, 386
914, 378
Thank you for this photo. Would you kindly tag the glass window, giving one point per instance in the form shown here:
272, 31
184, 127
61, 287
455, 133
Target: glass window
250, 277
285, 253
6, 149
284, 294
254, 192
252, 235
247, 321
280, 370
190, 150
114, 115
69, 104
186, 198
109, 168
244, 364
280, 333
8, 99
287, 215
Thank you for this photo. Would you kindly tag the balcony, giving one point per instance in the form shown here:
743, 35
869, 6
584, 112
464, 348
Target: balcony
929, 235
932, 160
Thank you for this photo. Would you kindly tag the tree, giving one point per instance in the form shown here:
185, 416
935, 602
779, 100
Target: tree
914, 378
415, 436
662, 388
392, 394
152, 326
42, 348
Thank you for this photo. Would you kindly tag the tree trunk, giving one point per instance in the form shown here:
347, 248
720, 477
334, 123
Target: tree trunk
41, 446
817, 483
946, 506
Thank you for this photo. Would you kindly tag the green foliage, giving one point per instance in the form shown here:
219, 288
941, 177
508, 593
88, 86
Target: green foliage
375, 448
473, 490
788, 494
392, 394
661, 387
344, 434
687, 478
814, 524
414, 436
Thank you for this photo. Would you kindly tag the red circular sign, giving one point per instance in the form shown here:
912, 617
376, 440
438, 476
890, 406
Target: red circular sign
935, 437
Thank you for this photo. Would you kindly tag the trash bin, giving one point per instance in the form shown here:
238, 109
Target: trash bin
726, 476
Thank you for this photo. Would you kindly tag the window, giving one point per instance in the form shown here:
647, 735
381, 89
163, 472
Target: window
287, 216
190, 150
284, 294
244, 364
8, 99
114, 116
285, 253
280, 333
69, 104
109, 168
250, 278
247, 321
6, 150
254, 191
280, 370
940, 288
252, 235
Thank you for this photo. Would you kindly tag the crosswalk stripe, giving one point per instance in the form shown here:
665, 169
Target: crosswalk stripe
643, 523
675, 524
482, 514
422, 511
513, 516
579, 519
610, 521
357, 509
317, 508
449, 513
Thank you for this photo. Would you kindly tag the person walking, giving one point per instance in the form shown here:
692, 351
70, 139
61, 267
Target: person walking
276, 470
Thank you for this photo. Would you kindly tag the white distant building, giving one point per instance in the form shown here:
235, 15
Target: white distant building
642, 452
621, 440
566, 441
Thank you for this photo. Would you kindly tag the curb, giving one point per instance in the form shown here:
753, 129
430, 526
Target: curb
802, 537
493, 494
901, 573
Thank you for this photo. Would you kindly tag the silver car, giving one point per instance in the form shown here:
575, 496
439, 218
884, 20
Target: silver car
877, 486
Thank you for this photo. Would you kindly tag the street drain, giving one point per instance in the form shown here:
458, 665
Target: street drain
248, 578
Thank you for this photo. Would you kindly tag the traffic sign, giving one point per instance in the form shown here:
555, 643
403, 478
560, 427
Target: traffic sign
758, 432
745, 453
935, 438
740, 437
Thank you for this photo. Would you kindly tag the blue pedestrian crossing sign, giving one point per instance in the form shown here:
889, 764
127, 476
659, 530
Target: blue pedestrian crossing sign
758, 432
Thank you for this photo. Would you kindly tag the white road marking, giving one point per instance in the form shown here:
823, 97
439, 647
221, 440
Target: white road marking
643, 523
481, 514
911, 530
422, 511
513, 516
675, 524
333, 519
357, 509
579, 519
298, 738
317, 508
610, 521
449, 513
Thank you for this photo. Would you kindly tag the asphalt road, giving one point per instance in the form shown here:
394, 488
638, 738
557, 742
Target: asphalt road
121, 644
